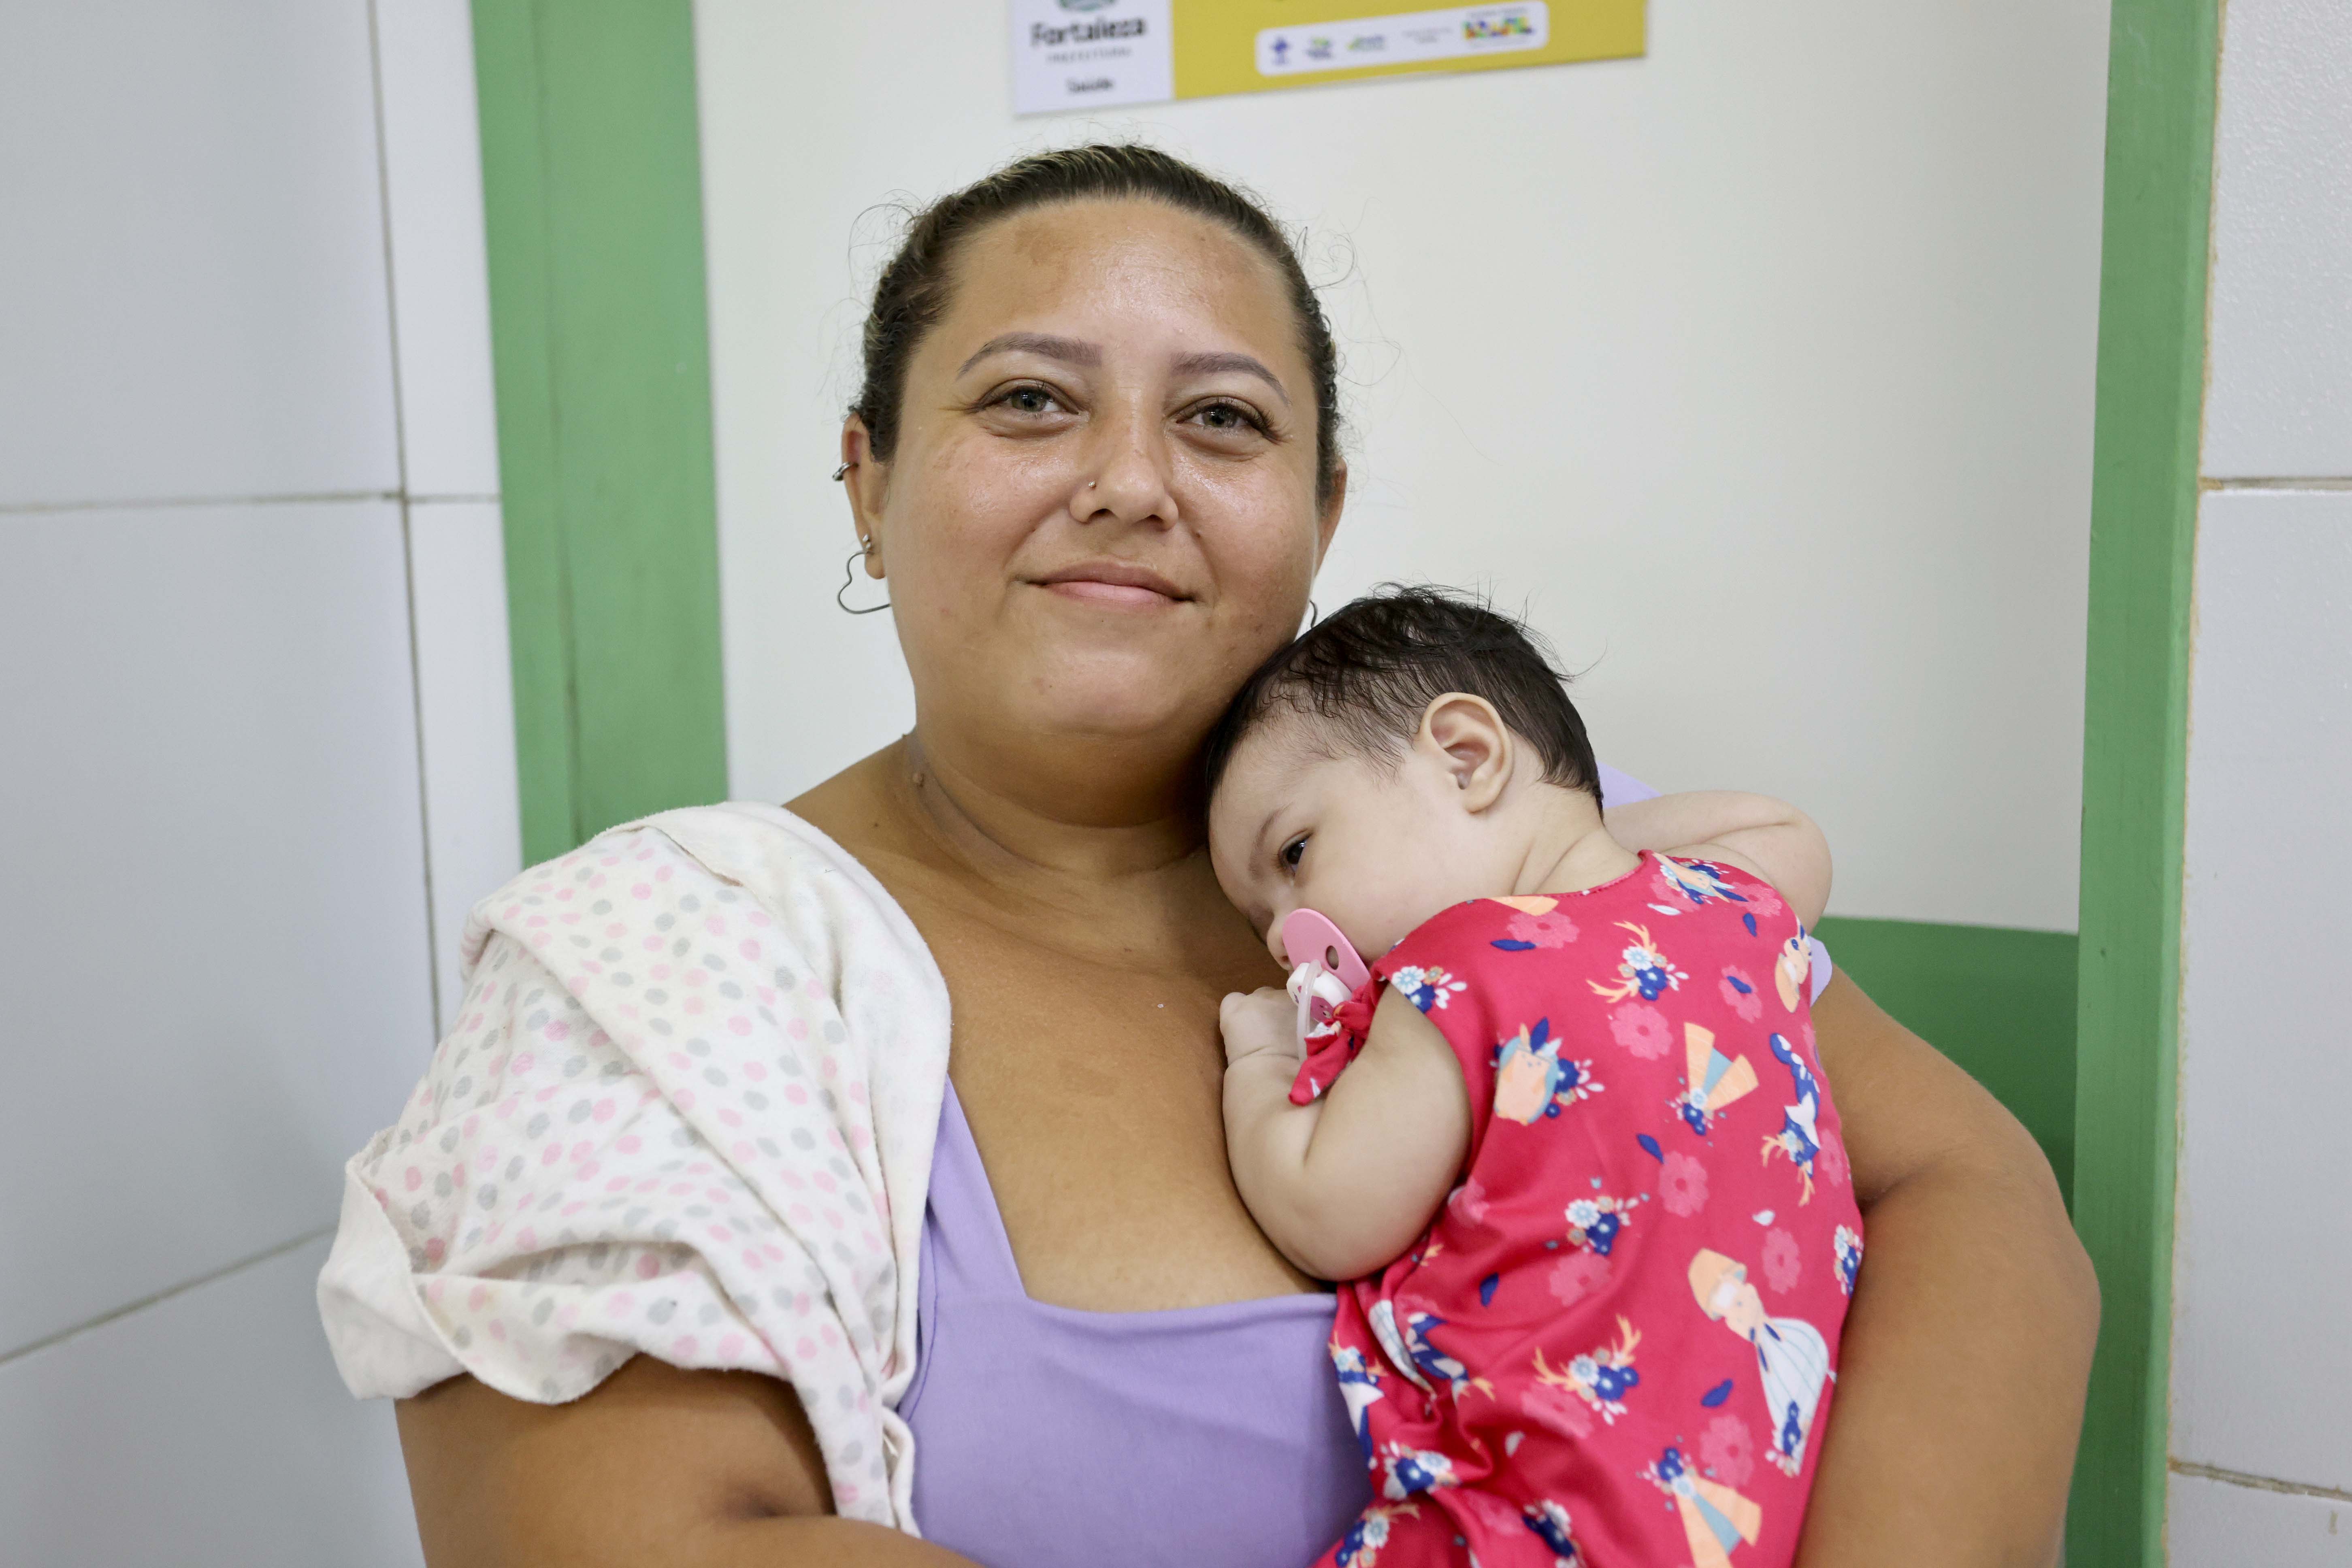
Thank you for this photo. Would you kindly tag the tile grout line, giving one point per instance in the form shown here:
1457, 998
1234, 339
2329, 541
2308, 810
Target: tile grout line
311, 497
166, 1294
407, 533
2220, 486
2256, 1483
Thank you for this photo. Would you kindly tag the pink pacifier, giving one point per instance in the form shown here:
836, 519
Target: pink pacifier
1324, 969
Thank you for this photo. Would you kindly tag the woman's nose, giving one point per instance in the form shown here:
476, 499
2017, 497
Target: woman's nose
1129, 481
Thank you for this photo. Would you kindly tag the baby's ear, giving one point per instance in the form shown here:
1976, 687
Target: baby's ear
1473, 744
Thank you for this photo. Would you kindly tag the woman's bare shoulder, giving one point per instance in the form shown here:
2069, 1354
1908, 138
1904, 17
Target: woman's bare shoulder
855, 809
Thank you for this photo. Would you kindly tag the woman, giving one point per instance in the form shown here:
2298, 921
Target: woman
1095, 462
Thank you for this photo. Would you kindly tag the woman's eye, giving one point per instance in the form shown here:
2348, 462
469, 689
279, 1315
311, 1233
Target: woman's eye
1028, 400
1227, 416
1292, 853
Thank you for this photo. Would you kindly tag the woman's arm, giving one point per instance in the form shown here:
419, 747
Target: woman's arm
1765, 837
655, 1467
1968, 1349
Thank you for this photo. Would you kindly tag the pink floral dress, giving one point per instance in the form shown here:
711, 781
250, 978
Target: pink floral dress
1615, 1342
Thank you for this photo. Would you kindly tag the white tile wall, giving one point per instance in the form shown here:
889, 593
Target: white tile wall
2280, 398
2263, 1249
458, 562
242, 667
440, 290
216, 950
2262, 1258
193, 253
210, 1428
2219, 1524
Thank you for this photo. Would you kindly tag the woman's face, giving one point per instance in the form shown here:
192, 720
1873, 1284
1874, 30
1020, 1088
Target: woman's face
1101, 512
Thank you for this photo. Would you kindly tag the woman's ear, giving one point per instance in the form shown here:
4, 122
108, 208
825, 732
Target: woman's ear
865, 480
1473, 744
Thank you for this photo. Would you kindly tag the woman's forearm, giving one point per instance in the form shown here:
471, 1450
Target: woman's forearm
656, 1467
1959, 1396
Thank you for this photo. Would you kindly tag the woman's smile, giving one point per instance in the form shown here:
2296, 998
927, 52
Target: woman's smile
1114, 585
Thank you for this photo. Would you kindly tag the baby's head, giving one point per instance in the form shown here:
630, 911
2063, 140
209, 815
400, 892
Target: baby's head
1404, 755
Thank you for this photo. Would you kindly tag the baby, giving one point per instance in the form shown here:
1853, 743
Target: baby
1587, 1323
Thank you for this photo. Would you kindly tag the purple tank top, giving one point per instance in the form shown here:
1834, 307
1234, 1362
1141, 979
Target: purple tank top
1050, 1437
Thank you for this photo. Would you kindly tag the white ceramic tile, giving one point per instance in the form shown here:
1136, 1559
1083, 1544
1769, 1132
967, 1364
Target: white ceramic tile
2262, 1376
207, 1429
193, 250
212, 941
2280, 404
2218, 1524
433, 160
457, 561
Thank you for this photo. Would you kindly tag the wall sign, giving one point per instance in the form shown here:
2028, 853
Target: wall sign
1079, 54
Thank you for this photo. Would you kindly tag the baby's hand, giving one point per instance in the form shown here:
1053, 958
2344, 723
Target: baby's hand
1265, 1021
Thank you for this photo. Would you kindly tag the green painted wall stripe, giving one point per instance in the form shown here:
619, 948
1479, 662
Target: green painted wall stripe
2152, 274
2000, 1002
591, 185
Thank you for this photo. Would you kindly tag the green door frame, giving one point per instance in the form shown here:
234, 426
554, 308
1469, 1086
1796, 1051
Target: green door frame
592, 185
591, 164
2161, 73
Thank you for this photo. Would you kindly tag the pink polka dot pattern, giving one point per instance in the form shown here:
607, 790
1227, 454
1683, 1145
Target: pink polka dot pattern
686, 1110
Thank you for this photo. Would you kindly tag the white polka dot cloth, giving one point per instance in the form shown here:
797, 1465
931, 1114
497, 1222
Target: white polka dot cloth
688, 1110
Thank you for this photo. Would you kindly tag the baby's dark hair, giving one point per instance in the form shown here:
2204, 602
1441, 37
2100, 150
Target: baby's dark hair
1369, 672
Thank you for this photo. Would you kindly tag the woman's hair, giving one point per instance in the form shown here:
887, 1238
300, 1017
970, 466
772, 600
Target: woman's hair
914, 289
1367, 674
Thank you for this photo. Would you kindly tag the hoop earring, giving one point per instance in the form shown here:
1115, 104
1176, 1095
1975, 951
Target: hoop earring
1313, 614
849, 575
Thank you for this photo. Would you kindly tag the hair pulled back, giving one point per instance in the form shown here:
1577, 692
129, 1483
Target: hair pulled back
915, 289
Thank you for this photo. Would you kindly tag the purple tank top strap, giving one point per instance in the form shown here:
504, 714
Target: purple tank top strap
964, 1239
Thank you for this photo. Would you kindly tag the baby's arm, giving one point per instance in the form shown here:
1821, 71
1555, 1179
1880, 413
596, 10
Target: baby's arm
1343, 1184
1769, 837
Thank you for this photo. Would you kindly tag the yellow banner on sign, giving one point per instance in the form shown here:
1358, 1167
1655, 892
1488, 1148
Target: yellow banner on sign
1254, 46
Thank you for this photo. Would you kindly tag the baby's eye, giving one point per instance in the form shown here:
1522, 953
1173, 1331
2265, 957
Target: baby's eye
1292, 853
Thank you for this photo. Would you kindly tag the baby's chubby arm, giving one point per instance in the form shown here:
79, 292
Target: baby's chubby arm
1767, 838
1343, 1184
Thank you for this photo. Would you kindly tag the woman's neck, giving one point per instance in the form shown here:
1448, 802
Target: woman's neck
1011, 816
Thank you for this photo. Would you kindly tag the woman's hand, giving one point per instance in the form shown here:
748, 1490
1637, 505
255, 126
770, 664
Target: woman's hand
655, 1467
1966, 1354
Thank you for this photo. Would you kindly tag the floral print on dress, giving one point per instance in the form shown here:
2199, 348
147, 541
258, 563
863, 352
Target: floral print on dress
1848, 1244
1532, 1082
1359, 1385
1641, 969
1494, 1360
1535, 923
1715, 1080
1792, 970
1361, 1547
1694, 882
1601, 1377
1593, 1222
1428, 989
1739, 988
1405, 1470
1716, 1521
1681, 1186
1551, 1523
1800, 1136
